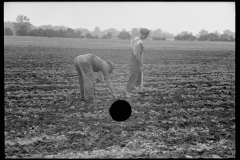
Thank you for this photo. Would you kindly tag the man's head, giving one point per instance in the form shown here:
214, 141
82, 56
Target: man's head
144, 33
111, 67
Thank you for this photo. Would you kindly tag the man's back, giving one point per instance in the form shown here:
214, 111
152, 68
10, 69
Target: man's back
134, 43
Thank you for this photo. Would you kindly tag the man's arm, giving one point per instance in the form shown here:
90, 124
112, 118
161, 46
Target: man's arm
138, 55
110, 86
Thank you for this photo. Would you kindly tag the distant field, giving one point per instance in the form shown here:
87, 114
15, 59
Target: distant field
116, 44
188, 110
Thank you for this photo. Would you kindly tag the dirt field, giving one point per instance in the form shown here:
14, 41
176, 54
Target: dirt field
188, 110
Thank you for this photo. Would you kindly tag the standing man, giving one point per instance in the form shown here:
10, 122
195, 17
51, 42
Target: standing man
136, 61
86, 66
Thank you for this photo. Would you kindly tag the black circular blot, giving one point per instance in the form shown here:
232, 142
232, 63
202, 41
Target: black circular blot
120, 110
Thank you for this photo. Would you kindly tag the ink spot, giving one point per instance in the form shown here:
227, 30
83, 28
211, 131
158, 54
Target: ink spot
120, 110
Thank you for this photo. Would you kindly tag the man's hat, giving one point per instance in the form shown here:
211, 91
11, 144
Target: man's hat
144, 31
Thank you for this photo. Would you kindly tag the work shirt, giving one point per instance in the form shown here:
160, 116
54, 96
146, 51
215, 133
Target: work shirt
134, 43
98, 64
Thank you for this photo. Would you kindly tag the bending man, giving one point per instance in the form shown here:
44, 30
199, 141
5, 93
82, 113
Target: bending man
86, 65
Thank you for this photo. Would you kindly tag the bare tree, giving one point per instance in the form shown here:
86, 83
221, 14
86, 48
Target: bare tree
22, 26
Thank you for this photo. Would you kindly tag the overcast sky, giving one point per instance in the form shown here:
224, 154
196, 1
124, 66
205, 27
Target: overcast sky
173, 17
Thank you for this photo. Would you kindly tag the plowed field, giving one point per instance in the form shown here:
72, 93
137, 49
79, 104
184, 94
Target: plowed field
188, 110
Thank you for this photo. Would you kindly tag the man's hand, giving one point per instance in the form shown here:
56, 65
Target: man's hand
110, 86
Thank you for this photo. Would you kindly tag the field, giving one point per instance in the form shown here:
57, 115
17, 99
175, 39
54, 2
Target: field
188, 110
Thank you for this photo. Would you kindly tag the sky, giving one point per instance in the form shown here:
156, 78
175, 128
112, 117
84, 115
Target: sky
172, 17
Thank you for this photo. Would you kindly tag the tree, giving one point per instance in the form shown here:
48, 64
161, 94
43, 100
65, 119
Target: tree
107, 36
224, 37
33, 32
157, 33
112, 30
151, 33
191, 37
96, 32
217, 33
184, 32
178, 37
203, 38
79, 34
8, 31
169, 35
231, 38
89, 36
70, 33
40, 32
37, 32
203, 32
213, 37
104, 37
124, 35
228, 32
134, 32
197, 35
185, 36
22, 26
60, 33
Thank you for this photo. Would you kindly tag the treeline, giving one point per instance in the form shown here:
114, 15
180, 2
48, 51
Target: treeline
205, 37
71, 33
68, 33
23, 27
215, 37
